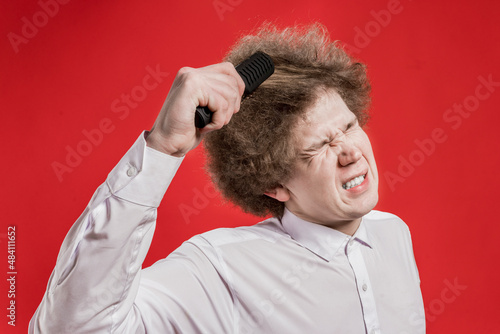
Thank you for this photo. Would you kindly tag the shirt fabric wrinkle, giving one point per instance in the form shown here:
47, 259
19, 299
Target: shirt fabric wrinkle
278, 276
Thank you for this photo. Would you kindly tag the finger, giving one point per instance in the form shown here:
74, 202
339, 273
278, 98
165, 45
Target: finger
222, 98
222, 81
228, 92
221, 110
229, 69
205, 83
222, 115
219, 87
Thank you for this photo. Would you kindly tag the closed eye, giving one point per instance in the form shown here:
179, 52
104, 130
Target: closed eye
306, 158
351, 124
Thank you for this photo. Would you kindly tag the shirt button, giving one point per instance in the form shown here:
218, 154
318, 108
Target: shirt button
351, 242
132, 171
364, 287
373, 331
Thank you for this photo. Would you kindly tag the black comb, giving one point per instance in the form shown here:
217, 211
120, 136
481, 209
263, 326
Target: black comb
254, 71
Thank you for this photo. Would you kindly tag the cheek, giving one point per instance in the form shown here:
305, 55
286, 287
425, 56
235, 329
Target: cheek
325, 165
370, 157
326, 174
365, 145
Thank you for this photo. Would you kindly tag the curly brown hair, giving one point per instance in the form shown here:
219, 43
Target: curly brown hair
256, 151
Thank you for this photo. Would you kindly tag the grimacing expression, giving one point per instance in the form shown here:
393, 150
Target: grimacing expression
335, 180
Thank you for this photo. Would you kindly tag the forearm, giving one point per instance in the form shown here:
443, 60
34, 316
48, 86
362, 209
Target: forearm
95, 281
94, 284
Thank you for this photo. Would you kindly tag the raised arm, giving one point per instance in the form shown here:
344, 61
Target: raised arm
94, 285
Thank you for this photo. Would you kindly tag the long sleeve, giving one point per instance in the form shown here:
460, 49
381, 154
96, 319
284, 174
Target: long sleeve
94, 284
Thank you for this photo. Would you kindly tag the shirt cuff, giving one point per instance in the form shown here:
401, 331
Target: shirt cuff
143, 174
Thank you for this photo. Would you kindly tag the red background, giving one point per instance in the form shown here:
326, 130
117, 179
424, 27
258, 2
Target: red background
63, 80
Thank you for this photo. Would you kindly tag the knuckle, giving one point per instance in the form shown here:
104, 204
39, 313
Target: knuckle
228, 65
187, 74
190, 79
234, 94
224, 105
184, 70
217, 125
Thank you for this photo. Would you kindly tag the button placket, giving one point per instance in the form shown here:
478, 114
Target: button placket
358, 266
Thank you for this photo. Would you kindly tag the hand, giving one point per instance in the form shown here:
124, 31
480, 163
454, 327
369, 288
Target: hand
217, 86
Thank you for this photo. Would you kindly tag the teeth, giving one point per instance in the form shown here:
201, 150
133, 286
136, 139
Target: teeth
354, 182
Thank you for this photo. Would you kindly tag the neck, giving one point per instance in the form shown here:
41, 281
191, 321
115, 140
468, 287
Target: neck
346, 227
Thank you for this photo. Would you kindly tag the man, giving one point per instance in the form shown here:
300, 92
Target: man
325, 262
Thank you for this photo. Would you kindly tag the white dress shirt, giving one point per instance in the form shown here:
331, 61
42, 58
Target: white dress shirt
278, 276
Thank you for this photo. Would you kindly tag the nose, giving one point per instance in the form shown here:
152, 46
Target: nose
349, 153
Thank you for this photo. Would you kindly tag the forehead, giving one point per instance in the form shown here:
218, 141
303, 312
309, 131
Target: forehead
326, 117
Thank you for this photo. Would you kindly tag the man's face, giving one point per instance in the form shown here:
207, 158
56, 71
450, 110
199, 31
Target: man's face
335, 181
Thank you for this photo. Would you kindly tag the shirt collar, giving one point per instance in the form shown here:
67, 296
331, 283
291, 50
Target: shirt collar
319, 239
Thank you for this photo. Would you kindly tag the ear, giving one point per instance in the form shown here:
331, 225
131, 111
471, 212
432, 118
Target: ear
279, 193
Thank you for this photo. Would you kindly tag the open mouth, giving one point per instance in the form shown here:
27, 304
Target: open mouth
354, 182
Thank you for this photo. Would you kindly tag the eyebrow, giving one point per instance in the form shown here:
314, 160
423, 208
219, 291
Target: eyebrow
318, 144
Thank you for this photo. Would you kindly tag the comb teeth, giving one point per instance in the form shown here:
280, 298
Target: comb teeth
255, 70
